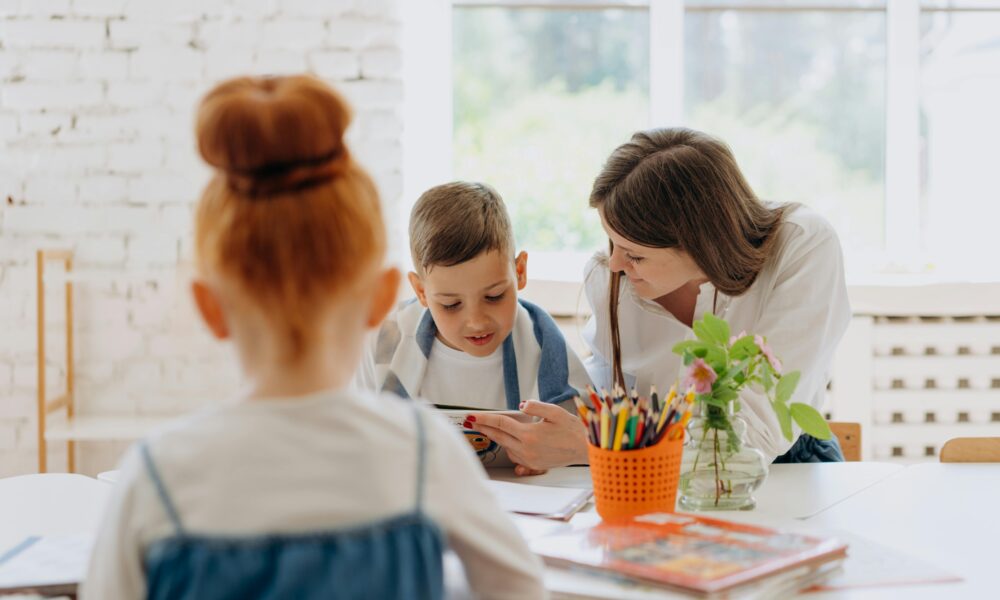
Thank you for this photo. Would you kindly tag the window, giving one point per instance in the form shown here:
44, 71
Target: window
541, 96
799, 96
877, 114
959, 96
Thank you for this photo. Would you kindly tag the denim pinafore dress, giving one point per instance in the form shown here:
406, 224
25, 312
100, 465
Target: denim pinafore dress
399, 557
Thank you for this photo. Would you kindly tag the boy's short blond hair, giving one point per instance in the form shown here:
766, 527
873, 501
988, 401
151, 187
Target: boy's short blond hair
456, 222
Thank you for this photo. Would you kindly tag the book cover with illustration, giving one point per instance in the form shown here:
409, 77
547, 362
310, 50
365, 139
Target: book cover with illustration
697, 554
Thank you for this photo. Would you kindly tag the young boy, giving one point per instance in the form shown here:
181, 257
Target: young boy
467, 340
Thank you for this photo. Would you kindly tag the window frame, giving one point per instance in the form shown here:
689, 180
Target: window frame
427, 147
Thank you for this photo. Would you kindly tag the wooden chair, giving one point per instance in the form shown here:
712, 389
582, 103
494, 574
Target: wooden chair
971, 450
849, 436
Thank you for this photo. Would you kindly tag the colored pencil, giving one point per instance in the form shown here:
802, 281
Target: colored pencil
605, 424
622, 417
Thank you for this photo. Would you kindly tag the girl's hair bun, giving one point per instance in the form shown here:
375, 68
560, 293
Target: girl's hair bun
271, 135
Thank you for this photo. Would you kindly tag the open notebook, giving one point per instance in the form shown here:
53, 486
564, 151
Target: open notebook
539, 500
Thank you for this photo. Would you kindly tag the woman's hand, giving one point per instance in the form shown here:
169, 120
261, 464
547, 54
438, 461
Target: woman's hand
557, 440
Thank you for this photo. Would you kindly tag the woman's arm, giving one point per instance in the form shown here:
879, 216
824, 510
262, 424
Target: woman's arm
804, 317
597, 333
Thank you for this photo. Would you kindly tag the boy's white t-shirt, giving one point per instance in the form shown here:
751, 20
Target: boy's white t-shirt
476, 380
314, 463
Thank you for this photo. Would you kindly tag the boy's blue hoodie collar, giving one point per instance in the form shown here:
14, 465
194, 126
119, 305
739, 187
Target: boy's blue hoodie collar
553, 368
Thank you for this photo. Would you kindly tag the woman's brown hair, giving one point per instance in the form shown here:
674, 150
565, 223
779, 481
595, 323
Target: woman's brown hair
288, 213
679, 188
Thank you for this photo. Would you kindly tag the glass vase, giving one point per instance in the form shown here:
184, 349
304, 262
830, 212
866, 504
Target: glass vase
719, 471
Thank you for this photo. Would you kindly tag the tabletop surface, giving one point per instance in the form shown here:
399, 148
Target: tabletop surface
935, 513
939, 513
50, 504
945, 514
794, 491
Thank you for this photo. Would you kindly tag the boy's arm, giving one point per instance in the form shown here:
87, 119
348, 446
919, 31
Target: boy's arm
115, 568
497, 561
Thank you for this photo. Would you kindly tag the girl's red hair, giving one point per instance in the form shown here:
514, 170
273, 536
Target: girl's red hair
288, 214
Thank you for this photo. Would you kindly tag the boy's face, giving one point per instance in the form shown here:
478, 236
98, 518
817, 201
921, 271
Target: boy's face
473, 303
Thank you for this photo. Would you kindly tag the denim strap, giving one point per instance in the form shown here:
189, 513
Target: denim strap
161, 490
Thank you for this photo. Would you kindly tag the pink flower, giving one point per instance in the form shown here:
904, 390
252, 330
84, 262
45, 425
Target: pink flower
768, 353
700, 376
741, 335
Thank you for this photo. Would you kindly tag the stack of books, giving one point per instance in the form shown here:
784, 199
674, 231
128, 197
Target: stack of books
697, 555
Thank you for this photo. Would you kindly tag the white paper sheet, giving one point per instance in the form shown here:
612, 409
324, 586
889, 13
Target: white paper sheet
45, 561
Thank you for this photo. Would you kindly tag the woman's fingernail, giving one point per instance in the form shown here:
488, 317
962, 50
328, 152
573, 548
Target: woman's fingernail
521, 405
471, 419
467, 425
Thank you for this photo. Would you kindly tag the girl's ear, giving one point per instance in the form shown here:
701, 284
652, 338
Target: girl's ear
210, 309
384, 296
418, 288
521, 267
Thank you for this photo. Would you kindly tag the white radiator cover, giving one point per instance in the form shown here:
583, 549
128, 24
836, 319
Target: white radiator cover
919, 365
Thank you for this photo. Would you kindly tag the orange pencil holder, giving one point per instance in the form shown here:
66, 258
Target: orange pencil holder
629, 483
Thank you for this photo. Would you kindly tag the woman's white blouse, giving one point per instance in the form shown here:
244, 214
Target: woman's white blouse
798, 302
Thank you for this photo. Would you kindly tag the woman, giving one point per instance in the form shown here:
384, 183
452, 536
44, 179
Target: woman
688, 237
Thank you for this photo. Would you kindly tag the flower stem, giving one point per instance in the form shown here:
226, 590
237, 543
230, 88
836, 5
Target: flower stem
718, 482
704, 432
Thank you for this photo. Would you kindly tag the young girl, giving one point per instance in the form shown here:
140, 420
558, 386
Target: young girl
689, 237
301, 488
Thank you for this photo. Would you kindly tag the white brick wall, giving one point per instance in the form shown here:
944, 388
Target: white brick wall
96, 113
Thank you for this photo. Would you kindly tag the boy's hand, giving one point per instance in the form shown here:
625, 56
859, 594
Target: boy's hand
557, 440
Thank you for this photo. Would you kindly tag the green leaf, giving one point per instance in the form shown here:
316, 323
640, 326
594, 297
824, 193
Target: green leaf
766, 378
743, 348
786, 385
725, 394
712, 400
785, 418
811, 422
719, 327
689, 346
716, 357
737, 368
713, 330
688, 359
703, 333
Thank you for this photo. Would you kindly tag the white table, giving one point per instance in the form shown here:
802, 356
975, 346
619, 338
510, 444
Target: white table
939, 513
50, 504
796, 491
936, 512
945, 514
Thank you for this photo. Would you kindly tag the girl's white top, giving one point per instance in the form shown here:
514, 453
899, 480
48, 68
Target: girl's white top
325, 461
798, 302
